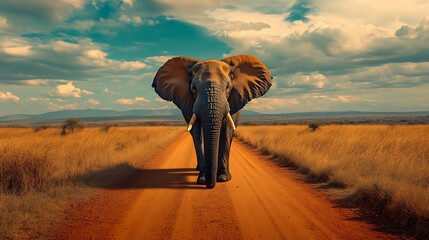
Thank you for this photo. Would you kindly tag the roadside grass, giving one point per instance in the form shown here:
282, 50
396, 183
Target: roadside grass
386, 166
41, 171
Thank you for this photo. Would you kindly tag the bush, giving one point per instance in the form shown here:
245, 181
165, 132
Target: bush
314, 126
40, 128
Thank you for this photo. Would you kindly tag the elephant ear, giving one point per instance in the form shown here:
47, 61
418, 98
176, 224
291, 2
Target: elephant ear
172, 83
251, 79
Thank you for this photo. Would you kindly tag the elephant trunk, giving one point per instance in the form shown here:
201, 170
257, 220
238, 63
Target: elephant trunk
212, 113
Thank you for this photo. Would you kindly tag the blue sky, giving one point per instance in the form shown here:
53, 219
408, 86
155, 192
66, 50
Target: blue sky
324, 55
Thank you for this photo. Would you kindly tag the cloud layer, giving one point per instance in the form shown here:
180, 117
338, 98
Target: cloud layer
324, 55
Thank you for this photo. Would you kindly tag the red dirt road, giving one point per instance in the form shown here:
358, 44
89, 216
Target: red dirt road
162, 201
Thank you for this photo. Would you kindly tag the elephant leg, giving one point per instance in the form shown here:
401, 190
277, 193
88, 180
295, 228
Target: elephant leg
198, 145
225, 142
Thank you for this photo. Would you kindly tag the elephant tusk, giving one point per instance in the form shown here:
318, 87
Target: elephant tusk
191, 122
230, 121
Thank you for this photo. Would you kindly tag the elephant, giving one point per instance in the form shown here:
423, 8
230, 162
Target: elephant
210, 95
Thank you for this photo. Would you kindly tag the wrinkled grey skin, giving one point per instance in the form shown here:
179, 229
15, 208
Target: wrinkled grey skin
210, 90
211, 87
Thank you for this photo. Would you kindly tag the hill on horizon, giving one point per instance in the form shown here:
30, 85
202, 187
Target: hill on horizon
169, 114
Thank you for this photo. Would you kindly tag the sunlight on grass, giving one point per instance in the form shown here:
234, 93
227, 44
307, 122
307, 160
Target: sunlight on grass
389, 161
41, 169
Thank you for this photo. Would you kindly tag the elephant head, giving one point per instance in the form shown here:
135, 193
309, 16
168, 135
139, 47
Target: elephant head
210, 91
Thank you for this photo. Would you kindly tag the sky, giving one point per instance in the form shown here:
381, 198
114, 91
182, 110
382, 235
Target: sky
360, 55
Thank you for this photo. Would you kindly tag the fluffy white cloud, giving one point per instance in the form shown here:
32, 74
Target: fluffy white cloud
19, 51
315, 80
69, 90
8, 96
15, 46
130, 101
132, 65
93, 101
157, 60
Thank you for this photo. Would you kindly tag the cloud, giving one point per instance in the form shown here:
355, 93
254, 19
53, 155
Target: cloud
81, 60
19, 51
107, 90
300, 80
69, 90
40, 10
228, 26
160, 100
15, 46
3, 22
157, 60
137, 20
132, 65
129, 2
93, 101
35, 82
35, 99
338, 98
130, 101
54, 106
271, 103
4, 96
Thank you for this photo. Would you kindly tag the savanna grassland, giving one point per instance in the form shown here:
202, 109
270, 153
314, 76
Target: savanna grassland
41, 171
386, 167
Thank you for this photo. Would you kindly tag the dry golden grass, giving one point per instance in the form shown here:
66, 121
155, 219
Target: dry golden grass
41, 170
390, 162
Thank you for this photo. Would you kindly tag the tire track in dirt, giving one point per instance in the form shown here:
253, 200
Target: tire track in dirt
162, 201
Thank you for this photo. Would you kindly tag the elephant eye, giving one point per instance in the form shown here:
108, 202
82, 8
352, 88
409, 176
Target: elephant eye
193, 88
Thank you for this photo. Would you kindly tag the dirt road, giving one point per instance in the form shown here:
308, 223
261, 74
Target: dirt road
262, 201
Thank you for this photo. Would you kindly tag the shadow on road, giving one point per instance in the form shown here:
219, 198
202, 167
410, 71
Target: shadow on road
125, 176
165, 178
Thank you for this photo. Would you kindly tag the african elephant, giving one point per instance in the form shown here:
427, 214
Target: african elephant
211, 94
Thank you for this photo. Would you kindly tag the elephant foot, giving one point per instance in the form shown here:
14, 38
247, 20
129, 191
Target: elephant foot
224, 177
201, 178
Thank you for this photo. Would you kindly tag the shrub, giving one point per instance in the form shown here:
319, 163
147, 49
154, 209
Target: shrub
313, 126
40, 128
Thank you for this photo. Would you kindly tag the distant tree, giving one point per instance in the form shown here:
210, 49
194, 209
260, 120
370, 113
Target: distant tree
70, 125
313, 126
